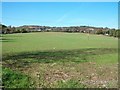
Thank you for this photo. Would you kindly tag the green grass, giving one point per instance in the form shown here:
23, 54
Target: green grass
13, 43
58, 57
69, 84
13, 79
106, 58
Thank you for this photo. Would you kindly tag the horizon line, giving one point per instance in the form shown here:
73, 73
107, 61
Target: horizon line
61, 26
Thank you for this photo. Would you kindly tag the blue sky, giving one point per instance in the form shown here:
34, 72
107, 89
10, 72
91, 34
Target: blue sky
99, 14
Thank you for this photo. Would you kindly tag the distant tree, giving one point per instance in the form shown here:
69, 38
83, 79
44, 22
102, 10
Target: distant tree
23, 30
3, 28
117, 33
111, 32
99, 32
13, 29
17, 30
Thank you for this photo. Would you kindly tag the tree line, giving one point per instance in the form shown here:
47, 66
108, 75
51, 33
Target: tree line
73, 29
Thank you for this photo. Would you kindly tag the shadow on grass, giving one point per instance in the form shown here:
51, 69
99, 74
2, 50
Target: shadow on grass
81, 55
6, 40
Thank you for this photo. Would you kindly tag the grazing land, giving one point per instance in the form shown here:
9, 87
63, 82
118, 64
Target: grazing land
59, 60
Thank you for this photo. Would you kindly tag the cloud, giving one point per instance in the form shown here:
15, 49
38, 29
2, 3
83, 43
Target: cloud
62, 18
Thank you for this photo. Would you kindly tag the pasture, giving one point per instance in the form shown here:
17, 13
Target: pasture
59, 60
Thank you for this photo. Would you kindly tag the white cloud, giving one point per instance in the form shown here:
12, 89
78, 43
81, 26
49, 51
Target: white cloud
61, 18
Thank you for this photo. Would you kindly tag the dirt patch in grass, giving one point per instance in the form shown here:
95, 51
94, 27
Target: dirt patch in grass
88, 74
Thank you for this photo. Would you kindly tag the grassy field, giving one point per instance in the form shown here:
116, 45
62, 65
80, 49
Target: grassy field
59, 60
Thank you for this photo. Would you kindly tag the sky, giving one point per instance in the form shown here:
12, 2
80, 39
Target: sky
98, 14
60, 0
